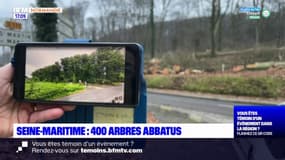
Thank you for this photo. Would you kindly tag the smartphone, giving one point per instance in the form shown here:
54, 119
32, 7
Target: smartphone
94, 74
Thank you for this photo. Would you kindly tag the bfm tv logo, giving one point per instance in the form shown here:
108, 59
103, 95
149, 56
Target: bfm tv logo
20, 13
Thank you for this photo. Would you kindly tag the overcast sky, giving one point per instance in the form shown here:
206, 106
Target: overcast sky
39, 57
6, 6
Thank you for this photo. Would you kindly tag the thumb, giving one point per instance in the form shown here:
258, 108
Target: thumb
7, 72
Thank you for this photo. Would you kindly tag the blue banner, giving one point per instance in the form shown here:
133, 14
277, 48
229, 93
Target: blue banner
259, 121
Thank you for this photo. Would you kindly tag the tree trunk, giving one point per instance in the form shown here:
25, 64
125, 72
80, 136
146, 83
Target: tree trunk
213, 28
152, 29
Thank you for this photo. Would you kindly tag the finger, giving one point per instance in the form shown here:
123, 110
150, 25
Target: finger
68, 108
44, 107
6, 72
46, 115
24, 112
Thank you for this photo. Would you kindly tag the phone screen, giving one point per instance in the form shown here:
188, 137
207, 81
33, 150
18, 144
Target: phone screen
75, 74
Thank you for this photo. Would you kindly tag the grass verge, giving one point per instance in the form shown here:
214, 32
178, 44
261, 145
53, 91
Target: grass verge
49, 90
269, 87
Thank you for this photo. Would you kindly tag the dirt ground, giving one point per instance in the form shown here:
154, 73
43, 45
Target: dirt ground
272, 72
151, 118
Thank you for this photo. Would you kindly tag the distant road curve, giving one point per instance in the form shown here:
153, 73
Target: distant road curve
193, 103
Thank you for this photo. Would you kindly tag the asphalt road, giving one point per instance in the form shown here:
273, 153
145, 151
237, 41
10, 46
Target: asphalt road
196, 104
101, 94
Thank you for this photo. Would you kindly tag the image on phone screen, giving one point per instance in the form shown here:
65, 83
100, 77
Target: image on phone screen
75, 74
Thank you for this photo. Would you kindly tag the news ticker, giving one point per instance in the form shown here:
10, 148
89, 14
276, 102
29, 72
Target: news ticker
23, 13
248, 121
38, 10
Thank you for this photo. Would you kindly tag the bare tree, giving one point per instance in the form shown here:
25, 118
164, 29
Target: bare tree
165, 7
221, 17
280, 23
76, 13
152, 28
91, 29
215, 24
121, 15
258, 24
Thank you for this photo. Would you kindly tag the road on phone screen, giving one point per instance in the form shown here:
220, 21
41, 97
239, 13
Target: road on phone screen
100, 94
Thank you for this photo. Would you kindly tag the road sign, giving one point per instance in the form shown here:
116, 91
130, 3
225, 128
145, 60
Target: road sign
11, 38
13, 25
